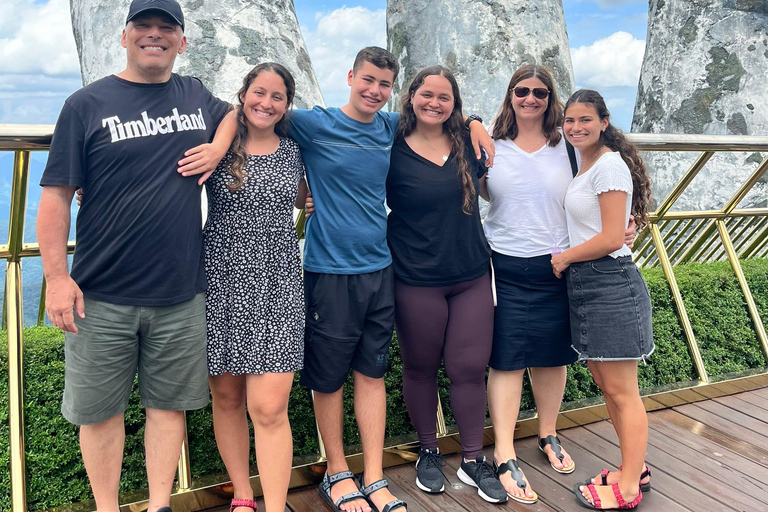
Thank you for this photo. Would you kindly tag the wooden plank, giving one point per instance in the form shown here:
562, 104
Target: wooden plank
761, 392
722, 418
662, 432
754, 400
726, 439
468, 497
668, 493
306, 499
737, 404
402, 482
554, 489
705, 475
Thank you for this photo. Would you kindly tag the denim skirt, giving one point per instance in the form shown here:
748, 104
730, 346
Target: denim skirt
610, 310
531, 323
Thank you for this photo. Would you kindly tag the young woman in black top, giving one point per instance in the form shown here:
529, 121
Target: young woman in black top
443, 298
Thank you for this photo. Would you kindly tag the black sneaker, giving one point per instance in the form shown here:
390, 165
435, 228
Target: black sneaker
429, 471
479, 474
164, 509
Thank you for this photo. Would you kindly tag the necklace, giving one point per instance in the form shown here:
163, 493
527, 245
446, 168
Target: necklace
444, 157
539, 143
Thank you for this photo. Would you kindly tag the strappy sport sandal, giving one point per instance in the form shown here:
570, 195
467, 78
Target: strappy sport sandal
646, 487
238, 502
329, 481
367, 490
623, 505
517, 475
554, 442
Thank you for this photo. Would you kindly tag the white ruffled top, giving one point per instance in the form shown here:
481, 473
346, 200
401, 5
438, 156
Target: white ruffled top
582, 208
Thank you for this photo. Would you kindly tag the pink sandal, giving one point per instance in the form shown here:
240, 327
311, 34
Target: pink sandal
238, 502
597, 505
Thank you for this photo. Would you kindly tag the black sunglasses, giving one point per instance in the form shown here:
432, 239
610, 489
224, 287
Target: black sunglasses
538, 92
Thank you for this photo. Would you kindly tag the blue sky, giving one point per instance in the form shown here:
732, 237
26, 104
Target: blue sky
39, 68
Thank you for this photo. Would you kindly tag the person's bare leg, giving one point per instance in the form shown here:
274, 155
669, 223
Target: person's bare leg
329, 411
268, 409
163, 436
102, 448
619, 379
613, 476
548, 387
230, 426
371, 415
504, 390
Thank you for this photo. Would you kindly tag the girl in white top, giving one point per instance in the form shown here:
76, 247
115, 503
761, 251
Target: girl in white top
609, 302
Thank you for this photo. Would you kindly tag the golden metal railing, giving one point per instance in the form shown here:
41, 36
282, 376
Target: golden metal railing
671, 238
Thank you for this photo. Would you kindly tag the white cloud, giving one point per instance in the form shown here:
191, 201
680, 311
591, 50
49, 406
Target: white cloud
610, 62
37, 38
340, 34
39, 67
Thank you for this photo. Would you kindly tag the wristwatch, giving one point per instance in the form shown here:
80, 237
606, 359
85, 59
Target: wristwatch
471, 118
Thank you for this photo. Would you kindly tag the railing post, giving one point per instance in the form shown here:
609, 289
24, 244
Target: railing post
15, 322
749, 299
679, 304
185, 469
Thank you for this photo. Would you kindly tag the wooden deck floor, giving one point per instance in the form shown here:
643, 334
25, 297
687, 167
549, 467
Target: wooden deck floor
708, 456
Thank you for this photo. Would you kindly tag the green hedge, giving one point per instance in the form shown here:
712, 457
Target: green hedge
56, 476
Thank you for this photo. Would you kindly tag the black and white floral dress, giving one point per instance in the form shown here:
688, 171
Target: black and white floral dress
255, 301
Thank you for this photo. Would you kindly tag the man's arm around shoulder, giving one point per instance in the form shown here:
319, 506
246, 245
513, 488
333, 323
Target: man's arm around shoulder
62, 296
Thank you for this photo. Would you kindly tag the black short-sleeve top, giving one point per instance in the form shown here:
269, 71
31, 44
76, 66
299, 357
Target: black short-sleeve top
433, 242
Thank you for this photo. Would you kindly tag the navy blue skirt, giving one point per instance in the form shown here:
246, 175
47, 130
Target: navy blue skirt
531, 322
610, 310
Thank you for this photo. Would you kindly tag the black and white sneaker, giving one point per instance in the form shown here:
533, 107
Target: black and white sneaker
479, 474
429, 471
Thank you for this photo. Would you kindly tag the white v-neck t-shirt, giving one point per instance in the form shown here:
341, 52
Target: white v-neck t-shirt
582, 206
526, 217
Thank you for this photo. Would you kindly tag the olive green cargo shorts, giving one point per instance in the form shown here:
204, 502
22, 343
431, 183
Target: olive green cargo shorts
166, 344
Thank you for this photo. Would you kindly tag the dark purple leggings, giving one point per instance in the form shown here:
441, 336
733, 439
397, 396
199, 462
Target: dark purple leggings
454, 324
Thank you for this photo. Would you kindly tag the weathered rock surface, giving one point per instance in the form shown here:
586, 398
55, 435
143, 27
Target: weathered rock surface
226, 39
704, 72
482, 42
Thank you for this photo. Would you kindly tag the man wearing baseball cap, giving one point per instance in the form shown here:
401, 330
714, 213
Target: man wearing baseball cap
134, 299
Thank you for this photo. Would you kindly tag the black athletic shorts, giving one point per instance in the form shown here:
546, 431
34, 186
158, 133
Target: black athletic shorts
349, 324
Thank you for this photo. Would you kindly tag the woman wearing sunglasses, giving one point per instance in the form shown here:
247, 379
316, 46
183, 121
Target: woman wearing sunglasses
525, 226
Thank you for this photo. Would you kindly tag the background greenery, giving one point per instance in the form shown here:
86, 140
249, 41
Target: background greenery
56, 476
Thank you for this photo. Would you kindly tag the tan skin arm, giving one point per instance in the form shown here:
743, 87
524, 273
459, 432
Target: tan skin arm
481, 139
62, 296
484, 187
303, 196
610, 238
204, 158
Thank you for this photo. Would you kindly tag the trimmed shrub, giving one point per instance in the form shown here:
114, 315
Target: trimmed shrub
56, 476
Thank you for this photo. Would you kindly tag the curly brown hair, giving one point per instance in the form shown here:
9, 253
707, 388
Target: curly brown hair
453, 126
239, 154
615, 140
505, 124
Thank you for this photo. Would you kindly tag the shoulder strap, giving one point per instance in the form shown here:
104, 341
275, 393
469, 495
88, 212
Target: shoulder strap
572, 158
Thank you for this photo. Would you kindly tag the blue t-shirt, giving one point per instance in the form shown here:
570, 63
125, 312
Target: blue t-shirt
347, 163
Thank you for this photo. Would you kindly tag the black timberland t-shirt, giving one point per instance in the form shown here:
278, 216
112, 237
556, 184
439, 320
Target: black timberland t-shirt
433, 242
139, 229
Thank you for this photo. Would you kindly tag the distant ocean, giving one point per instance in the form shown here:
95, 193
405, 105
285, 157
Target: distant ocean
32, 268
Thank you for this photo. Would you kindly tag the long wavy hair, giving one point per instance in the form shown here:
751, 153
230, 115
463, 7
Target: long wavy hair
505, 124
239, 153
615, 140
453, 127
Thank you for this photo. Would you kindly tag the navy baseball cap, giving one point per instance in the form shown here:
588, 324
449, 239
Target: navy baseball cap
169, 7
